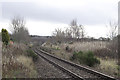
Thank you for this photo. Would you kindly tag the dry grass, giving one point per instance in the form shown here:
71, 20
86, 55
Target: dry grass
58, 50
28, 63
87, 46
108, 66
16, 64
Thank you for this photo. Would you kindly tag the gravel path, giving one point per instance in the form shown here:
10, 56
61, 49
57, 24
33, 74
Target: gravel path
47, 70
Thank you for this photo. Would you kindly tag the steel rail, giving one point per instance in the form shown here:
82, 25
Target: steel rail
99, 74
75, 76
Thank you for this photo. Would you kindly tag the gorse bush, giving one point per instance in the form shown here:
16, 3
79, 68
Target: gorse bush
5, 36
32, 54
87, 58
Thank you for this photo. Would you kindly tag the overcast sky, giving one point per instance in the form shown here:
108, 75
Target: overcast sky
43, 16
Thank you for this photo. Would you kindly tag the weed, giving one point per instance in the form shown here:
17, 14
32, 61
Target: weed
71, 42
87, 58
32, 54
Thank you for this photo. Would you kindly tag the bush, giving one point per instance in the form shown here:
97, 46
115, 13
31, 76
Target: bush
5, 36
32, 54
67, 48
57, 48
87, 58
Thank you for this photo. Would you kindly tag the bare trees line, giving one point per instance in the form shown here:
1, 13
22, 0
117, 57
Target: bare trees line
77, 31
74, 31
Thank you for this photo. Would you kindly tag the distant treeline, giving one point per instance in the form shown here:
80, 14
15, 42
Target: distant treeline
70, 39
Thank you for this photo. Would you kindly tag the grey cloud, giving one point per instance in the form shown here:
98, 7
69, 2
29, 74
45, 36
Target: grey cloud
89, 15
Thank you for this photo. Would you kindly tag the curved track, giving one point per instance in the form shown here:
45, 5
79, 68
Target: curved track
74, 70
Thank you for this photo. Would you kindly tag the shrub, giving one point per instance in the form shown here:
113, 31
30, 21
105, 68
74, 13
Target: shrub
32, 54
5, 36
87, 58
57, 48
59, 42
67, 48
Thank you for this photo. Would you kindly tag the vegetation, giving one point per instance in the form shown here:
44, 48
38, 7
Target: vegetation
74, 31
32, 54
110, 66
16, 64
67, 48
63, 44
0, 36
113, 29
101, 49
87, 58
19, 31
5, 36
71, 42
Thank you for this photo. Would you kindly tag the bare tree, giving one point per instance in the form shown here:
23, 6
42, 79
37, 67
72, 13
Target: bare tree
74, 28
19, 31
77, 31
68, 33
16, 24
112, 34
59, 34
113, 27
74, 31
73, 22
82, 31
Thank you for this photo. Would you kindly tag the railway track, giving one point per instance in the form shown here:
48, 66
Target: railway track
74, 70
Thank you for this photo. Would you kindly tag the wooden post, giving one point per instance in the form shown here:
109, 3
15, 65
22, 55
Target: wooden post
119, 37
